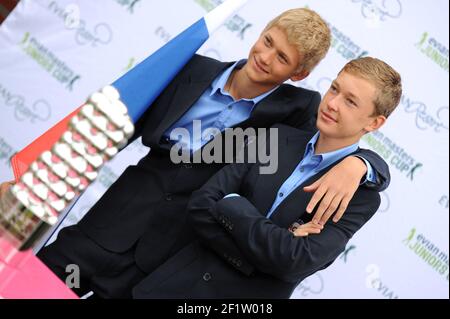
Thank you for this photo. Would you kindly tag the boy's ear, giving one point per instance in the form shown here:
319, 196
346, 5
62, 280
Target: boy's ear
376, 123
299, 75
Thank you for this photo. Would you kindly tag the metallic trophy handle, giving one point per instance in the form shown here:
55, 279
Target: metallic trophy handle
95, 134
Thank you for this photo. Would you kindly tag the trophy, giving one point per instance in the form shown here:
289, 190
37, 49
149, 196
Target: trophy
95, 134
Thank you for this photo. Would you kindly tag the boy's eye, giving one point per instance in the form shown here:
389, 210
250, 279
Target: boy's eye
351, 102
283, 59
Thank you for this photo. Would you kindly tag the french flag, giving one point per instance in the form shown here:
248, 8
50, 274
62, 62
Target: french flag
140, 86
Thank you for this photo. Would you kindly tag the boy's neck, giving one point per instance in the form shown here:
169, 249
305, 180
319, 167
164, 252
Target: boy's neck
241, 87
327, 144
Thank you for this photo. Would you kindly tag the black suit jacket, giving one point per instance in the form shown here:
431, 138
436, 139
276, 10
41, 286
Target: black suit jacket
146, 206
241, 253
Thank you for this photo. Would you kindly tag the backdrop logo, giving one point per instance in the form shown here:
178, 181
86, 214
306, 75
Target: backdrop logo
49, 62
373, 281
40, 110
344, 45
385, 203
313, 285
137, 147
71, 17
428, 252
129, 4
394, 154
130, 64
163, 34
424, 120
434, 50
345, 254
380, 9
236, 24
443, 201
6, 151
208, 5
74, 216
107, 177
239, 25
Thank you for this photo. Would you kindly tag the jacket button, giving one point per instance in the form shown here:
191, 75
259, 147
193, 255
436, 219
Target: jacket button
207, 277
168, 197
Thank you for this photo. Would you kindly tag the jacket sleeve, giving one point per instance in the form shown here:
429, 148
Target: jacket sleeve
276, 251
210, 232
380, 167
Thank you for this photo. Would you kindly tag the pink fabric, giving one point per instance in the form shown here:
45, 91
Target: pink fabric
24, 276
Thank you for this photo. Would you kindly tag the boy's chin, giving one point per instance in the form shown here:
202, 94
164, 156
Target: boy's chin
324, 128
327, 130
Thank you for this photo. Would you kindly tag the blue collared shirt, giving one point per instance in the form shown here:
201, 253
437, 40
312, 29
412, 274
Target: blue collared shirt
217, 110
309, 166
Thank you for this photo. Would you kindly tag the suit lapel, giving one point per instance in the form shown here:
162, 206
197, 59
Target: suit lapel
290, 153
186, 94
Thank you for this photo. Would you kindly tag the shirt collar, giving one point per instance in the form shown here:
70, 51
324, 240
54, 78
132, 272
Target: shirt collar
219, 83
329, 158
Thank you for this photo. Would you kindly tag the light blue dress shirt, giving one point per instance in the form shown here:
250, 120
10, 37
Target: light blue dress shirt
309, 166
217, 110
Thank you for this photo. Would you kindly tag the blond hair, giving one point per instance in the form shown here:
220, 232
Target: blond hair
308, 32
387, 81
